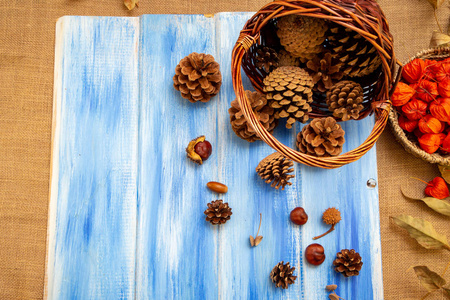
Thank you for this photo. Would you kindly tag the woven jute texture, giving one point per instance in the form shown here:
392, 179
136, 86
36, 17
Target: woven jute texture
27, 30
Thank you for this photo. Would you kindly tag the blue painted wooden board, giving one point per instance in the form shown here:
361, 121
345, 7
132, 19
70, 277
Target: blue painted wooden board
126, 208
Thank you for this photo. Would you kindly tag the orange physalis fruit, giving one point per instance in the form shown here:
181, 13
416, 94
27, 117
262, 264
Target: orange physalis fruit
440, 109
444, 88
430, 69
415, 109
413, 71
402, 94
427, 90
406, 124
443, 72
430, 124
430, 142
446, 144
437, 188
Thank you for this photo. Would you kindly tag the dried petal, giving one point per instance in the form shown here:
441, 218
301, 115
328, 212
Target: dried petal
413, 71
406, 124
402, 94
415, 109
430, 124
437, 188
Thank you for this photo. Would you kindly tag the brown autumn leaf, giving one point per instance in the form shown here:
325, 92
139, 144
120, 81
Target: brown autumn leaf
436, 3
445, 170
258, 240
423, 232
439, 39
447, 290
252, 241
429, 279
130, 4
440, 206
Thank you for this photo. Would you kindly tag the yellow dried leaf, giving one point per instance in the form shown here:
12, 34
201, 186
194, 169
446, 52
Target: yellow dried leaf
436, 3
130, 4
440, 206
445, 170
429, 279
439, 39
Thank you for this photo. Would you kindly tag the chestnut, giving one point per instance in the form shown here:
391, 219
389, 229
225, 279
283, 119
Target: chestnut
315, 254
298, 216
204, 149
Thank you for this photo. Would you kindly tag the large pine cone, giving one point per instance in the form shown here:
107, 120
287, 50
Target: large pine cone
322, 137
324, 71
218, 212
357, 55
302, 36
348, 262
197, 77
282, 276
285, 59
264, 113
289, 90
345, 100
266, 58
275, 169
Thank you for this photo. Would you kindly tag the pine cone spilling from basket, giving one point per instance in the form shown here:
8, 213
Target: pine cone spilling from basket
275, 169
345, 100
197, 77
282, 276
218, 212
264, 113
289, 90
302, 36
348, 262
266, 59
357, 55
322, 137
324, 71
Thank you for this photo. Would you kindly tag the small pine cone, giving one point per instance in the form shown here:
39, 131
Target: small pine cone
324, 71
358, 56
302, 36
348, 262
285, 59
218, 212
275, 169
322, 137
197, 77
289, 90
264, 113
266, 59
282, 276
345, 100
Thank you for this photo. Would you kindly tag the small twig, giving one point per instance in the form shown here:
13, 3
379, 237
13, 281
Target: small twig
260, 219
322, 235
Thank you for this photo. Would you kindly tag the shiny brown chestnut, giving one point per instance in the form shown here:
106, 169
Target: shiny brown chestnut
298, 216
315, 254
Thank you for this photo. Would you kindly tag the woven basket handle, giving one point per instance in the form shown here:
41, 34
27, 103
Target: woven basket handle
381, 109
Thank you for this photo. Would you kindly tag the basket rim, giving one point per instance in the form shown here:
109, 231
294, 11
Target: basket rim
249, 37
399, 133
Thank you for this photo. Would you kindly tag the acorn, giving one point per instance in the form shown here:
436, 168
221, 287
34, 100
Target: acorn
331, 216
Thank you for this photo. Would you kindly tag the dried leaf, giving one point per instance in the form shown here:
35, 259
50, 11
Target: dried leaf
258, 240
429, 279
445, 172
130, 4
252, 241
447, 290
423, 232
436, 3
440, 206
331, 287
439, 39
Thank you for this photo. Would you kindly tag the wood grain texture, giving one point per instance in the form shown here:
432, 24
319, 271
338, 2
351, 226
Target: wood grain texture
178, 254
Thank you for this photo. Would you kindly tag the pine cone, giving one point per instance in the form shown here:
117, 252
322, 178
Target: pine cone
289, 90
324, 71
285, 59
345, 100
264, 113
266, 59
348, 262
197, 77
322, 137
275, 169
357, 55
282, 276
218, 212
302, 36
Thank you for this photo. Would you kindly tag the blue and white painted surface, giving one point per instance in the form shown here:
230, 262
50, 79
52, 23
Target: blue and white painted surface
126, 208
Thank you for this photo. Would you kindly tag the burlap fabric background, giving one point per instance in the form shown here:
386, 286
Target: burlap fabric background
27, 30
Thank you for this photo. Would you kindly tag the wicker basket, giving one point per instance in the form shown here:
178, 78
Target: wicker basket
362, 16
409, 144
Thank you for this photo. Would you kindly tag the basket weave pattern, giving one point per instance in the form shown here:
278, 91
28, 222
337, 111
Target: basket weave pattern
362, 16
409, 145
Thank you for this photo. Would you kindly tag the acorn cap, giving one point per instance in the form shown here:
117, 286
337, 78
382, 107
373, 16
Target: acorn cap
331, 216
